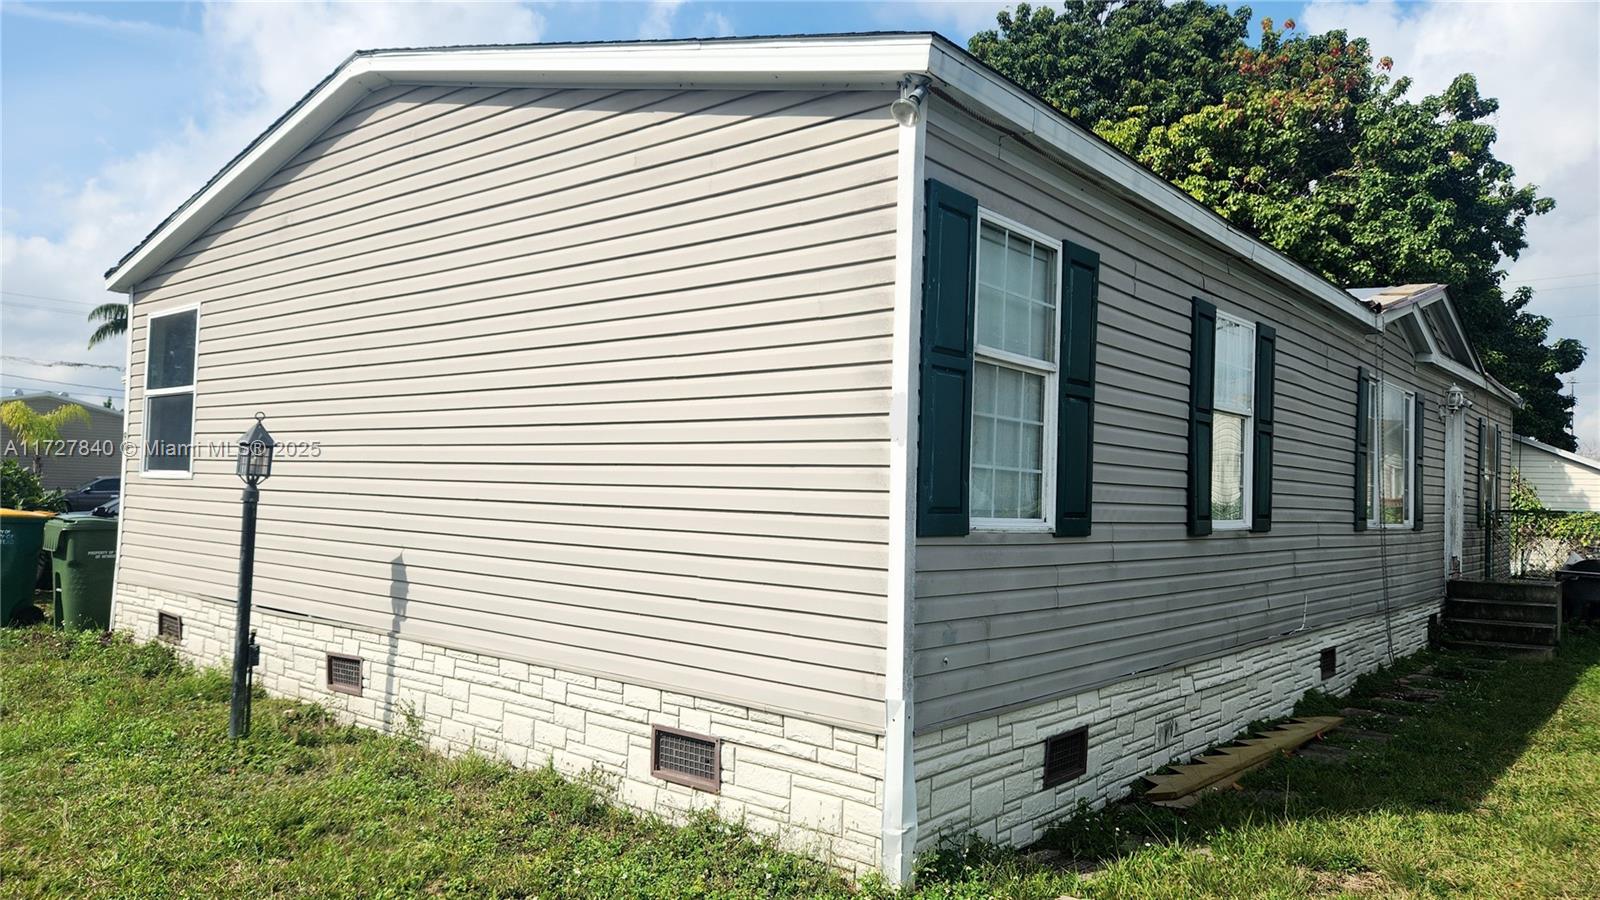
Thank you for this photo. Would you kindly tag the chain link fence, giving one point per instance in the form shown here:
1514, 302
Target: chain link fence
1534, 544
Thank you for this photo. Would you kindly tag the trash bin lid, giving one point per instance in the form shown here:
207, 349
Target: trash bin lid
82, 521
24, 514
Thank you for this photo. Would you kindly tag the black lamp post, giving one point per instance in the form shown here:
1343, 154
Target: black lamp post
255, 465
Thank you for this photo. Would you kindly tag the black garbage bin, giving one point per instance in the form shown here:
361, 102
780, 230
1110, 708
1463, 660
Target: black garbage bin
1580, 590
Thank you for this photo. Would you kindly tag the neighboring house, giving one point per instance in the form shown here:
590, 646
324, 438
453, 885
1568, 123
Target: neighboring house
1562, 479
671, 409
84, 453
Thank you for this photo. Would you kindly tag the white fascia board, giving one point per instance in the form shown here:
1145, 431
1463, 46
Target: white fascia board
1052, 132
844, 63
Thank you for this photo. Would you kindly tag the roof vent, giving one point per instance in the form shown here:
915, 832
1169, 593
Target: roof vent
1066, 756
692, 760
344, 674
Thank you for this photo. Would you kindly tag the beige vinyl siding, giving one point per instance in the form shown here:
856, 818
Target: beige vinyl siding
1007, 619
598, 379
88, 451
1559, 482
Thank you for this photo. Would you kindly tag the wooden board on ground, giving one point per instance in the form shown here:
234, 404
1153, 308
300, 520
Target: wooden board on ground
1225, 764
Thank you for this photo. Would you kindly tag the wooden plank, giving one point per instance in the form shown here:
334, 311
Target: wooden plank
1228, 763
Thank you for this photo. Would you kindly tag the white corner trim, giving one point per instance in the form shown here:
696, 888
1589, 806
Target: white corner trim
122, 449
900, 783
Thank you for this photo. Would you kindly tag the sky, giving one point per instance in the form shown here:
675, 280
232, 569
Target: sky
111, 114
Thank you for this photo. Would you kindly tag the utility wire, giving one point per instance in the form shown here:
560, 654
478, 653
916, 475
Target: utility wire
62, 362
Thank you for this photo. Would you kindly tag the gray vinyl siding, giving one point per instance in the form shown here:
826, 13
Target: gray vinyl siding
87, 451
599, 380
1008, 619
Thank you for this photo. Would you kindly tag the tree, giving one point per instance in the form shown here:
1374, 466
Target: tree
113, 319
1305, 141
33, 428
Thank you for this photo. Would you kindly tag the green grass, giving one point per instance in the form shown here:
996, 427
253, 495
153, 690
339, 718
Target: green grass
116, 781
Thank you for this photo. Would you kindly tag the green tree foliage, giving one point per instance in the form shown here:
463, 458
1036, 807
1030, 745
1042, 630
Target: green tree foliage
20, 489
1306, 141
113, 319
35, 430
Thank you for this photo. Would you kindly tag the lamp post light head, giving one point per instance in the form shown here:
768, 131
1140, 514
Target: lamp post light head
255, 453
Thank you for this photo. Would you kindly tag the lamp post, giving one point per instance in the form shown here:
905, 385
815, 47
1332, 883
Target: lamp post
255, 465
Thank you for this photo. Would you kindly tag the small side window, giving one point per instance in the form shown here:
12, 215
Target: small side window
169, 392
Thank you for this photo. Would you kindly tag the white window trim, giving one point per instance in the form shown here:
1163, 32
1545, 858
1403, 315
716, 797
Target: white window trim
1047, 486
1375, 458
1246, 437
192, 389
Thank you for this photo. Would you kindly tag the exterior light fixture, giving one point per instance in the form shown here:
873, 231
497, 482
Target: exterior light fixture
254, 467
1455, 399
907, 108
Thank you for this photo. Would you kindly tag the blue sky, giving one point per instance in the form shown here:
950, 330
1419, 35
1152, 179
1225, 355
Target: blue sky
112, 113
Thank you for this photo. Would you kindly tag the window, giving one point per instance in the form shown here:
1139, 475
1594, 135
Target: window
1391, 457
1232, 427
169, 393
1014, 379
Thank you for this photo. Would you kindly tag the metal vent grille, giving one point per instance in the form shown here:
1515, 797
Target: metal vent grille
689, 759
344, 674
1329, 662
169, 627
1066, 756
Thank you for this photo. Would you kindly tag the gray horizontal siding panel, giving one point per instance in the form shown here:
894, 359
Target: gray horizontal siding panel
1008, 619
605, 371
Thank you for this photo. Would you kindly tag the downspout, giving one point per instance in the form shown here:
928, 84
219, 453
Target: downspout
899, 837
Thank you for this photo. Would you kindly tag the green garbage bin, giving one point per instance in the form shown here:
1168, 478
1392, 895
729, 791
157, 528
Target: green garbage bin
21, 534
83, 556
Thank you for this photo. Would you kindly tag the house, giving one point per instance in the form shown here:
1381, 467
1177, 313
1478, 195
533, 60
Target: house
821, 430
84, 453
1562, 479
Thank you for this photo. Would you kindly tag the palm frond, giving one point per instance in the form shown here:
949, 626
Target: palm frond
114, 322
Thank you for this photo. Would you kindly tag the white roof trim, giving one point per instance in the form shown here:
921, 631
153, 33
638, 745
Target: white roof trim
868, 61
46, 395
1567, 455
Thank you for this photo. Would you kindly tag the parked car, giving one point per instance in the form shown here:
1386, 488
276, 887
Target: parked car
101, 490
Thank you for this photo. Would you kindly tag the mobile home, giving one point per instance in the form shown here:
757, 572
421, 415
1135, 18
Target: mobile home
821, 430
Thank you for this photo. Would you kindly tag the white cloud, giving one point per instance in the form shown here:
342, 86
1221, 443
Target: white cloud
1540, 61
661, 20
261, 59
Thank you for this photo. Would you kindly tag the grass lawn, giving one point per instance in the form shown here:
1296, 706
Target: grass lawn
116, 780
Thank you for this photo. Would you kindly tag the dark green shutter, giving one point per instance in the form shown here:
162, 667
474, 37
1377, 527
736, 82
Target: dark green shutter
1261, 479
944, 443
1483, 493
1416, 465
1202, 374
1080, 281
1363, 447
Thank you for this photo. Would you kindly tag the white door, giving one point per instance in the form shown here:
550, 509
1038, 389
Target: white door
1455, 477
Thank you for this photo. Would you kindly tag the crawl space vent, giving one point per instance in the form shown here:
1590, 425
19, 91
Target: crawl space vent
169, 627
692, 760
1066, 756
344, 674
1329, 662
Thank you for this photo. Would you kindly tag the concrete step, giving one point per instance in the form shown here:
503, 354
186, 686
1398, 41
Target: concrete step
1505, 610
1541, 633
1502, 648
1517, 591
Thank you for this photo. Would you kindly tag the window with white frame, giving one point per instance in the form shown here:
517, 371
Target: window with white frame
169, 392
1392, 457
1014, 377
1233, 422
